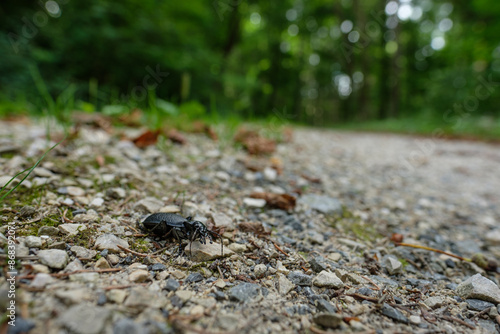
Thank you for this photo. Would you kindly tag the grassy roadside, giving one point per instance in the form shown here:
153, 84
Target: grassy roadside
158, 112
473, 128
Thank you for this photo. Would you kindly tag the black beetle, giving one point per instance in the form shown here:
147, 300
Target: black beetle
163, 224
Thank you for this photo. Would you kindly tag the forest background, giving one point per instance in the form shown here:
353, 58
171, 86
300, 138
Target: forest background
407, 65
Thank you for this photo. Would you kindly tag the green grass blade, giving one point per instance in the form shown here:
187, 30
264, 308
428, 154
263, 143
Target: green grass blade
28, 169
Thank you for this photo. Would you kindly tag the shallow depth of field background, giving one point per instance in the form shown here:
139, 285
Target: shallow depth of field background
410, 66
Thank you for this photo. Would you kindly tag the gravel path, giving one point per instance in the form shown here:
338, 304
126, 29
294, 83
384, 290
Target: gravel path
325, 263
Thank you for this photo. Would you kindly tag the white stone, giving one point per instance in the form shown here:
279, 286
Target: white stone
33, 242
148, 205
75, 191
435, 301
326, 279
260, 270
97, 202
138, 276
102, 264
84, 277
71, 229
117, 295
237, 248
493, 238
206, 252
110, 242
41, 280
254, 202
284, 285
479, 287
83, 253
54, 258
223, 176
184, 295
281, 268
392, 265
222, 220
270, 174
170, 209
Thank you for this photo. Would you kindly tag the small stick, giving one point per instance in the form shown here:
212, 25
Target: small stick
8, 210
481, 313
360, 296
371, 281
34, 220
279, 249
220, 272
254, 244
134, 252
58, 275
134, 229
125, 286
460, 321
67, 219
159, 251
317, 330
433, 250
126, 200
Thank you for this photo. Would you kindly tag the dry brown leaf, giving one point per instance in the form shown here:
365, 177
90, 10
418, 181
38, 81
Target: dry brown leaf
280, 201
96, 120
254, 227
147, 138
311, 179
132, 119
287, 135
176, 137
210, 132
277, 164
255, 143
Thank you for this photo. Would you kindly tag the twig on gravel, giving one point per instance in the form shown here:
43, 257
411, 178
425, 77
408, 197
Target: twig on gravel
372, 282
180, 323
65, 218
360, 296
382, 300
244, 279
125, 286
58, 275
433, 250
126, 200
486, 310
317, 330
279, 249
34, 220
134, 252
135, 230
254, 243
159, 251
9, 210
460, 321
220, 272
421, 258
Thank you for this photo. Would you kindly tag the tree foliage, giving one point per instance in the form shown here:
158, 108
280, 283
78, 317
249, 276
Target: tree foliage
319, 61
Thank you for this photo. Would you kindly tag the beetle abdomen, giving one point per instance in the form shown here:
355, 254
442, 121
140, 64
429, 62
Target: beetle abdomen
161, 223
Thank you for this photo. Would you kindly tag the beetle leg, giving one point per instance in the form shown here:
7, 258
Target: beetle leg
176, 234
168, 233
